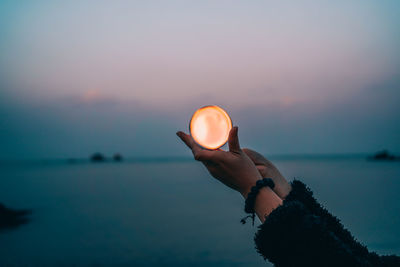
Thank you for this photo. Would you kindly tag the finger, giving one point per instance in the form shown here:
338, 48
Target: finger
256, 157
199, 153
233, 140
261, 169
188, 140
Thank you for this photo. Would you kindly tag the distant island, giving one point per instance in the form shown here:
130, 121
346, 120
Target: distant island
10, 218
117, 157
98, 157
383, 155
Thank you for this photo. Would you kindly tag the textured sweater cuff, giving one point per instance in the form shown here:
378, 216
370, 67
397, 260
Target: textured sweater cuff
300, 192
293, 236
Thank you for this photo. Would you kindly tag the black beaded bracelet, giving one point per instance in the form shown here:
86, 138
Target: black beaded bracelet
251, 197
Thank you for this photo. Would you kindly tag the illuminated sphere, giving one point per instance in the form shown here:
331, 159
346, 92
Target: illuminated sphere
210, 126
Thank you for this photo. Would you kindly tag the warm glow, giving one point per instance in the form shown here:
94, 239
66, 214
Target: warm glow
210, 126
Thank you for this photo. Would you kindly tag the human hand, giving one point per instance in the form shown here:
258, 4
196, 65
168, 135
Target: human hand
233, 168
268, 170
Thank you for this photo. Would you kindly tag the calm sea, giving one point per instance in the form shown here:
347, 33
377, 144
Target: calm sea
172, 213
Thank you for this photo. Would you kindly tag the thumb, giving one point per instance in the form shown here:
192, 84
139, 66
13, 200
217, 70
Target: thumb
233, 140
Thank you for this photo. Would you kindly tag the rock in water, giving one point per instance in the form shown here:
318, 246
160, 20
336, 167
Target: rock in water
117, 157
97, 157
10, 218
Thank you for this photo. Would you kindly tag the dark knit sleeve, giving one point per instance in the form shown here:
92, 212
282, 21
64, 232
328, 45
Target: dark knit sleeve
300, 192
303, 233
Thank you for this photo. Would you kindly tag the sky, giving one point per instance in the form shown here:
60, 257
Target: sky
297, 77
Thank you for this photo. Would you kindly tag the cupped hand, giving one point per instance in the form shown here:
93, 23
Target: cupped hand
233, 168
268, 170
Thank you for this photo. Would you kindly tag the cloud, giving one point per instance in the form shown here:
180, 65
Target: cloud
77, 78
93, 96
245, 55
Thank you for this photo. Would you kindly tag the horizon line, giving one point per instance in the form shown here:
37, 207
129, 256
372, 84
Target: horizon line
176, 158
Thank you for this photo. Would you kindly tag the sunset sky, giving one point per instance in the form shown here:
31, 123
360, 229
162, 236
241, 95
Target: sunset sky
123, 76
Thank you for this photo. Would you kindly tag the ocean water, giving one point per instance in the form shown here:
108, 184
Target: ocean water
172, 213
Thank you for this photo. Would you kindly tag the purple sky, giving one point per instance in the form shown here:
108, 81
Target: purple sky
305, 77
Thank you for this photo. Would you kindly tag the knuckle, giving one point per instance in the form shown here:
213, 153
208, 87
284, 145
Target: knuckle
197, 156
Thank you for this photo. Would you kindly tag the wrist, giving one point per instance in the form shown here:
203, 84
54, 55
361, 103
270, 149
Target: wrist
266, 201
261, 199
246, 188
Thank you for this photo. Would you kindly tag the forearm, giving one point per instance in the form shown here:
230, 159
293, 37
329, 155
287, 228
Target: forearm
313, 236
292, 236
266, 201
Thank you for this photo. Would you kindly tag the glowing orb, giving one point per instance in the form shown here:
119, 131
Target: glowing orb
210, 126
